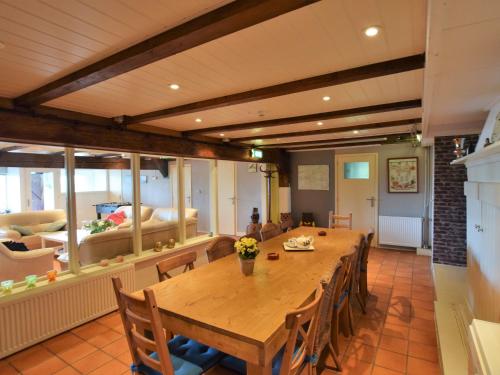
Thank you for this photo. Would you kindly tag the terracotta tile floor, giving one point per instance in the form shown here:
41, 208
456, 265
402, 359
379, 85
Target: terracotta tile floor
396, 336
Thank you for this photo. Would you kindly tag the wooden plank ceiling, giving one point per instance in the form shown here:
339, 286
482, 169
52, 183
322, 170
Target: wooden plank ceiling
47, 40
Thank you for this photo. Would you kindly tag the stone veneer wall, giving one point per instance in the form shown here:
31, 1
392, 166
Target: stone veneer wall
449, 244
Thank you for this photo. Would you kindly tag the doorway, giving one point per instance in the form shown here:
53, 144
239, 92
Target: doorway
41, 194
226, 199
356, 181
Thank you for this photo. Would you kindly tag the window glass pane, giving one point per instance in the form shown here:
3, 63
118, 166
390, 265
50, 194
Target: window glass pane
357, 170
87, 180
34, 191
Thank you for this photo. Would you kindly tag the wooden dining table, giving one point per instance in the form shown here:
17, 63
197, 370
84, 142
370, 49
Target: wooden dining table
244, 316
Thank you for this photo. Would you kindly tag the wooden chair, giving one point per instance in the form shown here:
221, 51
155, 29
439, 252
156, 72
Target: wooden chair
270, 230
286, 221
342, 314
331, 283
255, 235
149, 352
219, 248
297, 354
339, 221
307, 220
187, 260
363, 271
355, 279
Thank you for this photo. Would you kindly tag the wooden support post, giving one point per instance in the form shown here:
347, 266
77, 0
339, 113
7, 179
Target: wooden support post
135, 163
181, 201
69, 164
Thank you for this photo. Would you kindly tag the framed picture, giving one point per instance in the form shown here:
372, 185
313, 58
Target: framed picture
402, 175
252, 168
313, 177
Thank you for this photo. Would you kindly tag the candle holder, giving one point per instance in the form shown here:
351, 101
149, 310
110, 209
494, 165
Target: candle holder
158, 247
51, 275
171, 243
30, 281
7, 286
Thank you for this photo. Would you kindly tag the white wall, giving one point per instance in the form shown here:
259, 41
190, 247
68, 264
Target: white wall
156, 191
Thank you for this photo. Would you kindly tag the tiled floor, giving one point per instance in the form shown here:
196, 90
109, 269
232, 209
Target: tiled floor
396, 336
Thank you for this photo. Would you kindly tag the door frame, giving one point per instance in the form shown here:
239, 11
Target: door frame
338, 170
235, 197
25, 175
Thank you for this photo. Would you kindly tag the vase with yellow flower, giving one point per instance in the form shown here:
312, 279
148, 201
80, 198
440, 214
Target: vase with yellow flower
247, 252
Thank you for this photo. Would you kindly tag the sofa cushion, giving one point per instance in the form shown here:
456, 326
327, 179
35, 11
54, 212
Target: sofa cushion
55, 226
145, 212
15, 246
24, 230
117, 217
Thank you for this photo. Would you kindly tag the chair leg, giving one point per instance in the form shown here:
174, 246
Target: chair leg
335, 357
344, 319
335, 331
350, 317
359, 298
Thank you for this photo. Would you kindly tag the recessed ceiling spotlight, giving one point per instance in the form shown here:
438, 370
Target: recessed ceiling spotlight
319, 123
221, 134
372, 31
198, 119
174, 86
326, 98
355, 131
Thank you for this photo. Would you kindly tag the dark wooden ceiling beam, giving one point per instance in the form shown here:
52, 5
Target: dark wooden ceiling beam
342, 129
222, 21
328, 141
326, 80
11, 148
354, 144
27, 128
379, 108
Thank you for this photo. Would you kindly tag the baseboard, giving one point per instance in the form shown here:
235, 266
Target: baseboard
424, 252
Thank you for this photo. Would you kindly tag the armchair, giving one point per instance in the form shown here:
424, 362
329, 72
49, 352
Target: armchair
16, 265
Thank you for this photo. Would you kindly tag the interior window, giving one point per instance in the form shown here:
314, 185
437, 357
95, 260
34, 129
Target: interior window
357, 170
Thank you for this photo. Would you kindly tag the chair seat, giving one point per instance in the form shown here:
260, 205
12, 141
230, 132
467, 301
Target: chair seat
190, 350
240, 366
181, 367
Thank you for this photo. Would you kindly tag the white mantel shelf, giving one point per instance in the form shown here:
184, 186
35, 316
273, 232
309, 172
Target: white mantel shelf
479, 155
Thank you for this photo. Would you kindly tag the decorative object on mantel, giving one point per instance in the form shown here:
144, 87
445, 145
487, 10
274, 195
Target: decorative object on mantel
254, 226
51, 275
307, 220
247, 251
402, 175
120, 258
459, 147
322, 233
273, 256
268, 174
30, 281
171, 243
6, 286
255, 215
158, 247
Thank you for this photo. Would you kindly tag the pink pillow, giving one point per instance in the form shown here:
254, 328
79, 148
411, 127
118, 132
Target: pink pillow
117, 217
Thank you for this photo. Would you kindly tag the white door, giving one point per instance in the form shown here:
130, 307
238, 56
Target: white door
226, 196
356, 178
172, 172
40, 190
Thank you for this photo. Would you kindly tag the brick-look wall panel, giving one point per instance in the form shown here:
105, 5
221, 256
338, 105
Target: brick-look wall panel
449, 244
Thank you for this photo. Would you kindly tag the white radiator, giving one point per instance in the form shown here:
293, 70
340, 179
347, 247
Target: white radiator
400, 231
46, 312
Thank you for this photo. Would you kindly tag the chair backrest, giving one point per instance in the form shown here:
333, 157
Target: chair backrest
220, 247
255, 235
270, 230
302, 325
187, 260
339, 221
331, 283
307, 219
363, 256
350, 268
140, 316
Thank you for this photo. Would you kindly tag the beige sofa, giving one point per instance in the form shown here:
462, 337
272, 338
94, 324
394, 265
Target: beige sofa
15, 265
36, 221
159, 225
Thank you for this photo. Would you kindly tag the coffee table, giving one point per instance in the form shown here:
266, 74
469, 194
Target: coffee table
62, 238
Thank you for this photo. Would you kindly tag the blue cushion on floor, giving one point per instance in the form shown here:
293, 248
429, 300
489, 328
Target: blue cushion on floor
190, 350
181, 367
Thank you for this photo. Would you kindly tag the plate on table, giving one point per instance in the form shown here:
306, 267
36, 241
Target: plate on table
297, 247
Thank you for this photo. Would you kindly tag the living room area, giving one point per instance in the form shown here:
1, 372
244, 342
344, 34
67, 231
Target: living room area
33, 206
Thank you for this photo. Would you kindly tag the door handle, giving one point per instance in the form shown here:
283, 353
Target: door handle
372, 201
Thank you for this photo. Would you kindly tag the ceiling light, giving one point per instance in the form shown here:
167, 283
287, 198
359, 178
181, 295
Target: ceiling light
198, 120
319, 123
355, 131
174, 86
372, 31
326, 98
221, 134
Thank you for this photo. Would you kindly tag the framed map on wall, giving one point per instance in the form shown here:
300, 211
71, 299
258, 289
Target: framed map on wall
402, 175
313, 177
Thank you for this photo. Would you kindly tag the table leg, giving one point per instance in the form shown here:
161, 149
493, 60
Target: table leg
259, 369
43, 242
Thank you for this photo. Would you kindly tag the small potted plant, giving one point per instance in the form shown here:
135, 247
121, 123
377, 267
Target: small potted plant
247, 251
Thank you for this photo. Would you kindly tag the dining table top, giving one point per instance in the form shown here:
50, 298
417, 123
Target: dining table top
218, 297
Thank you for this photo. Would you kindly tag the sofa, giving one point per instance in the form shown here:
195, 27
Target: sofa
159, 224
35, 221
15, 265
